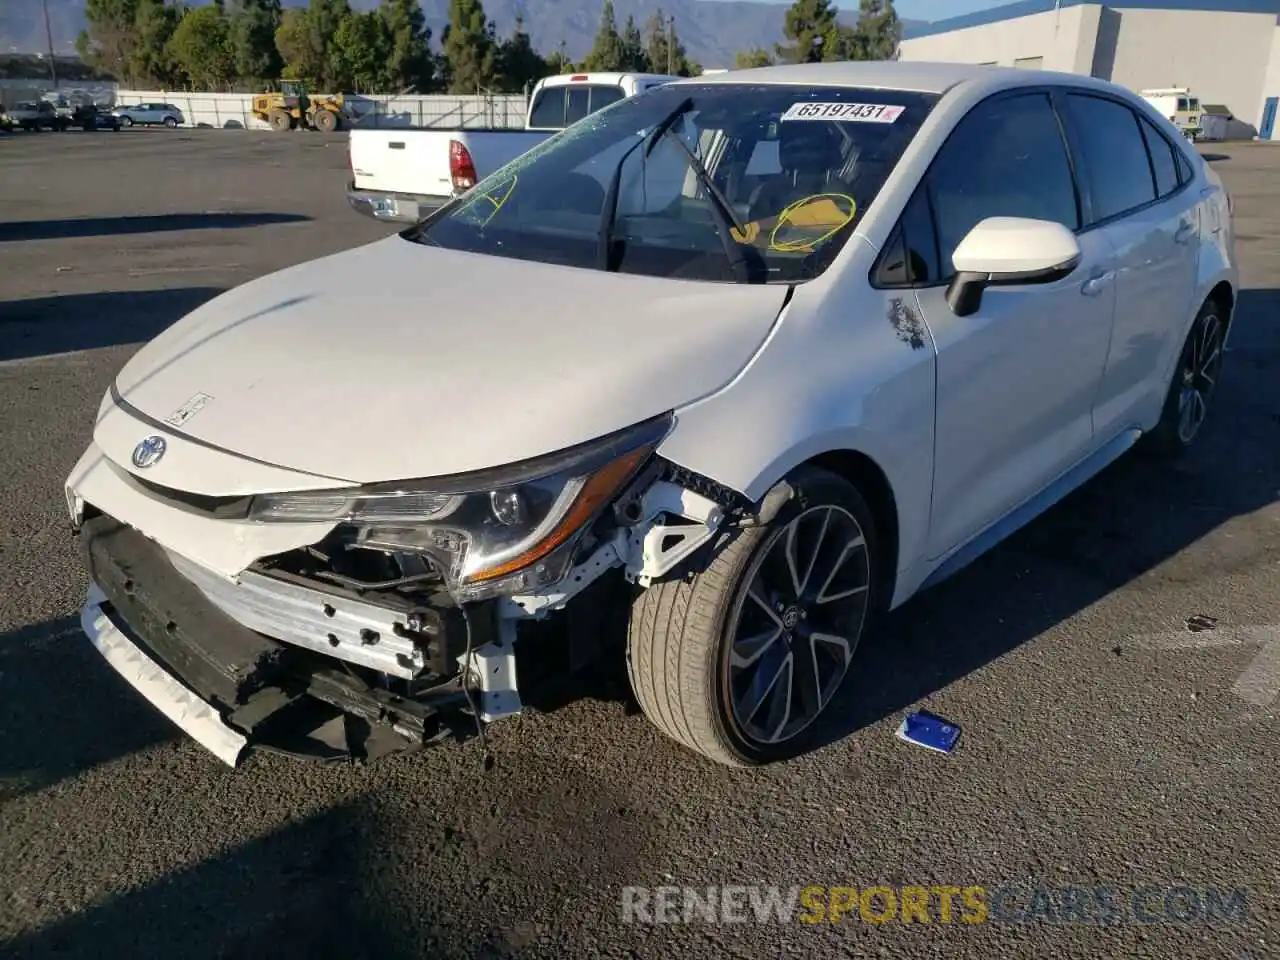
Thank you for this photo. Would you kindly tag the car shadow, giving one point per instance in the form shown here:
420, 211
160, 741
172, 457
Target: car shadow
19, 230
50, 736
308, 889
1129, 519
87, 321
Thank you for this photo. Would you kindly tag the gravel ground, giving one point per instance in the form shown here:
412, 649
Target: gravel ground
1105, 744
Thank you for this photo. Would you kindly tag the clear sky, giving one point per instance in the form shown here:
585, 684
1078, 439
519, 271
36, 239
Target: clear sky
934, 9
927, 9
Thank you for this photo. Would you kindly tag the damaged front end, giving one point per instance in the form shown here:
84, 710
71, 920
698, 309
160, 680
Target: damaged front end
410, 620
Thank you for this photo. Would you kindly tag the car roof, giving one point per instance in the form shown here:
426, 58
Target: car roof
915, 76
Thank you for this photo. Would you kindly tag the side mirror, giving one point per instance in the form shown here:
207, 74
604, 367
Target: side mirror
1003, 251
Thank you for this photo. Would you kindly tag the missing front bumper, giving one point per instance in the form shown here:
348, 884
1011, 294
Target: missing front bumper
231, 688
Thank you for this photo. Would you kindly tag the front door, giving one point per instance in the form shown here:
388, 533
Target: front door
1016, 379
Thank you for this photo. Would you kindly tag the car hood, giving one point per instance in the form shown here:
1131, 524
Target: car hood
397, 360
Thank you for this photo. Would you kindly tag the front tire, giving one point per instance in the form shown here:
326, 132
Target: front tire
1191, 391
740, 661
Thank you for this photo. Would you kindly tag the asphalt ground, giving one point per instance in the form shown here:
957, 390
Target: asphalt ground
1105, 744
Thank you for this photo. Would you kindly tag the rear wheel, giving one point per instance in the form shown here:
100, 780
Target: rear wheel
1195, 380
326, 121
170, 122
741, 661
279, 120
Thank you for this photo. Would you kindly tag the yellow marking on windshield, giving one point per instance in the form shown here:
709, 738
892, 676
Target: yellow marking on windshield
818, 210
492, 196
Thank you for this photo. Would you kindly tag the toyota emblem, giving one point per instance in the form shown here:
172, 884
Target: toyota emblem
148, 452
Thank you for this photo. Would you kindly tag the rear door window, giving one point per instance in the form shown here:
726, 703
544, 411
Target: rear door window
1108, 136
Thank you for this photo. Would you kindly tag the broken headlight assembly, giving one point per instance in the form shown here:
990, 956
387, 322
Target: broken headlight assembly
502, 531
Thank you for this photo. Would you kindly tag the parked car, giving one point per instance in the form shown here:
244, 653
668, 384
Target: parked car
36, 115
751, 359
89, 116
149, 114
405, 174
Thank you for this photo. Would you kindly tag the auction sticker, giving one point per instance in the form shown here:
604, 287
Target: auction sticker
844, 112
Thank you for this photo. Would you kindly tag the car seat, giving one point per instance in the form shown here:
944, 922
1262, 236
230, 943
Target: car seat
809, 153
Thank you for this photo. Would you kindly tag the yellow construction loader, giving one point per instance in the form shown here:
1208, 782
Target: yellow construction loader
294, 106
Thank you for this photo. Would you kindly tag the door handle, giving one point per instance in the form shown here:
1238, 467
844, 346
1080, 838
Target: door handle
1185, 232
1097, 283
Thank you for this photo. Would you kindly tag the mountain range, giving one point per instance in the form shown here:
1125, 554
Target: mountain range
712, 31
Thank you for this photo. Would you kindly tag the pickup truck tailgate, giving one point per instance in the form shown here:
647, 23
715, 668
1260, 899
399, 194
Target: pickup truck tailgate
401, 161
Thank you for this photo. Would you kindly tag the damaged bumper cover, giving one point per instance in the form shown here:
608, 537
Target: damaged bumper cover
195, 717
229, 687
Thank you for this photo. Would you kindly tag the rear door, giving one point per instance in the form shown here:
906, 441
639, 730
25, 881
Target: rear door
1016, 380
1138, 195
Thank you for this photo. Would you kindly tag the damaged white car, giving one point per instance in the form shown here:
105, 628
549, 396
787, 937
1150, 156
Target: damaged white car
748, 359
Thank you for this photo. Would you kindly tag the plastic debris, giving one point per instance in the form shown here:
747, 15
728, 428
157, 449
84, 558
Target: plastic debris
927, 730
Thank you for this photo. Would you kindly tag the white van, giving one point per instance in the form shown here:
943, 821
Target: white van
1177, 103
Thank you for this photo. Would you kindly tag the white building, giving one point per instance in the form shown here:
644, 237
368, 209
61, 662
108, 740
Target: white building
1225, 51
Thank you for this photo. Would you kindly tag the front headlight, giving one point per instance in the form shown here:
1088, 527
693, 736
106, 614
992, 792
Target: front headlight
490, 531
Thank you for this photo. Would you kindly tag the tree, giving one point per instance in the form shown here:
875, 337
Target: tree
201, 47
110, 41
154, 25
469, 47
410, 64
811, 26
559, 62
360, 53
878, 31
294, 41
253, 40
325, 16
607, 53
663, 49
755, 57
518, 63
634, 55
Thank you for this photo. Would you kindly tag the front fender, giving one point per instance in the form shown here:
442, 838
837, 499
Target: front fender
838, 374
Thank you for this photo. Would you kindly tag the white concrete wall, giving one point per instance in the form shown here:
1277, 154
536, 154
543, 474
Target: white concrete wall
1271, 81
1064, 38
1222, 57
233, 111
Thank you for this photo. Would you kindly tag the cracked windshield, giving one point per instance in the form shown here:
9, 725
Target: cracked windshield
723, 182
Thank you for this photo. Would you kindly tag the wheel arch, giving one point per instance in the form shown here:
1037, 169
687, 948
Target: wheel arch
873, 483
1224, 295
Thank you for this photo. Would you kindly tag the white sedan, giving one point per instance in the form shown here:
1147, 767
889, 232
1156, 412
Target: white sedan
746, 360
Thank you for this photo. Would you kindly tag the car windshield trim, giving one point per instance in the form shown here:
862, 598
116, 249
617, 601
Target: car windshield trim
787, 173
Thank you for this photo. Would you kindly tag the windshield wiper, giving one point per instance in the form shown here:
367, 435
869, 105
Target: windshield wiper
726, 219
609, 212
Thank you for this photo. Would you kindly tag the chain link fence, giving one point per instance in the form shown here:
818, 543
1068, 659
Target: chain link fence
234, 111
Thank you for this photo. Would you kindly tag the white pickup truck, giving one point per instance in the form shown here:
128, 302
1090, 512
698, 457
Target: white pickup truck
405, 174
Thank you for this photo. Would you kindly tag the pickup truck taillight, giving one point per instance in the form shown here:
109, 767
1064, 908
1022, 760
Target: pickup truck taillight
462, 170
